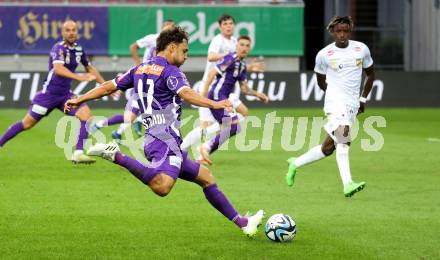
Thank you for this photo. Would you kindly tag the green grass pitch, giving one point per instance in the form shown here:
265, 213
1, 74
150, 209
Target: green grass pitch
50, 208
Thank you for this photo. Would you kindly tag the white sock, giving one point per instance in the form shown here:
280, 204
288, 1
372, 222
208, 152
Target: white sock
122, 128
240, 117
343, 162
100, 123
212, 130
310, 156
78, 152
193, 137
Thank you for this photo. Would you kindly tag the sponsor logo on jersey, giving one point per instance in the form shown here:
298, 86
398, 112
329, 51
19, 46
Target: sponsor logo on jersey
357, 49
330, 53
150, 121
333, 64
60, 54
175, 161
152, 69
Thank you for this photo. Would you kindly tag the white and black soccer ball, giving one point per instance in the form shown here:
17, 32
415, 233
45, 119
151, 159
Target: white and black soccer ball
280, 228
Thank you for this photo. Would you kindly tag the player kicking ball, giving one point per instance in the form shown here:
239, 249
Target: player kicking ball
161, 86
338, 69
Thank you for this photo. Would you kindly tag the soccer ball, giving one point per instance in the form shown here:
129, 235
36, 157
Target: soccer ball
280, 228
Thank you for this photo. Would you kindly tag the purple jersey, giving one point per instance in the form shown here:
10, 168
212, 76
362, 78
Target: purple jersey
156, 84
230, 70
70, 57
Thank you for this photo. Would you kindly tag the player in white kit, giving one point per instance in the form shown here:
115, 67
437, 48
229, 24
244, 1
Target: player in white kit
338, 69
221, 45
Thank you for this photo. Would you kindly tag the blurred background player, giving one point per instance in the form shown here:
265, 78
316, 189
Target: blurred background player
221, 45
163, 86
227, 73
338, 70
63, 61
131, 111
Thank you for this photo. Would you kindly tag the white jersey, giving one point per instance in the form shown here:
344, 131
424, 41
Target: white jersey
219, 44
147, 42
343, 69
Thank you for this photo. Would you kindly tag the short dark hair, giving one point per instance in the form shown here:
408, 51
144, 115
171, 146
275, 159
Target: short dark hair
176, 35
340, 20
225, 17
244, 37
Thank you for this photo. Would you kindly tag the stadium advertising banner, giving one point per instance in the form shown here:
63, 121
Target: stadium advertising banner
275, 30
34, 30
390, 89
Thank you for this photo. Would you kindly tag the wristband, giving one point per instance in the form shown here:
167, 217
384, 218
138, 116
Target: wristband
363, 99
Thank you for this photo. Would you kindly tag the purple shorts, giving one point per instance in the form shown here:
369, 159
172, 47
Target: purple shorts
135, 111
43, 103
223, 116
166, 157
132, 106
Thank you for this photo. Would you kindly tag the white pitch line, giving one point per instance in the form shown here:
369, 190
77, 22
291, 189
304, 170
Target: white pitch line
433, 139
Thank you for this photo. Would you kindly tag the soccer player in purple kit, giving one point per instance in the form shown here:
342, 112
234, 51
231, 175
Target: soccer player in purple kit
161, 86
132, 110
226, 73
64, 58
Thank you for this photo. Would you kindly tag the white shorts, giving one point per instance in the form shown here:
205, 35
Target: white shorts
205, 113
339, 117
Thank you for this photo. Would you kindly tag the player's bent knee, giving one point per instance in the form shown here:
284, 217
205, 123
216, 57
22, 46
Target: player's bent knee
28, 123
342, 134
162, 190
84, 113
161, 184
328, 152
244, 113
205, 177
328, 149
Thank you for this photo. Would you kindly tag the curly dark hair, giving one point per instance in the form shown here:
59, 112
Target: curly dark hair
340, 20
176, 35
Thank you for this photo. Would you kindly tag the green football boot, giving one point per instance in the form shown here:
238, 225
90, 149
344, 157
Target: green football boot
353, 187
290, 176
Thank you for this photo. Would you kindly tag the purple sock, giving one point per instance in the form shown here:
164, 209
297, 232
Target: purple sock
240, 221
115, 119
143, 173
224, 135
219, 201
12, 131
82, 136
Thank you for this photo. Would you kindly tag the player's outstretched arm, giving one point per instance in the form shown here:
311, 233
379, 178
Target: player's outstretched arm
92, 70
208, 82
134, 53
104, 89
368, 85
193, 98
214, 56
64, 72
256, 66
245, 89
